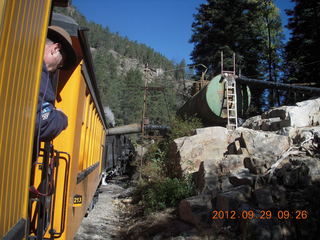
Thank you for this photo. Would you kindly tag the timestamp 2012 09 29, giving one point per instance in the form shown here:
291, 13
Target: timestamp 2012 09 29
260, 214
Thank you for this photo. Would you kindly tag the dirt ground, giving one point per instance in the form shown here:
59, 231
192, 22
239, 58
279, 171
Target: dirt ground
117, 217
104, 221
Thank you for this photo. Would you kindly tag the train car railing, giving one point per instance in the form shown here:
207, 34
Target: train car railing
53, 232
43, 198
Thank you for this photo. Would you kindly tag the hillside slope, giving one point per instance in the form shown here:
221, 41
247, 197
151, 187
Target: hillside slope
120, 68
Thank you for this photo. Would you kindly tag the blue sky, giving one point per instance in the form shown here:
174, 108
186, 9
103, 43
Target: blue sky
164, 25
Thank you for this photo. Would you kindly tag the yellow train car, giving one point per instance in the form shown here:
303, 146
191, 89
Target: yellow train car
23, 30
84, 138
46, 197
74, 161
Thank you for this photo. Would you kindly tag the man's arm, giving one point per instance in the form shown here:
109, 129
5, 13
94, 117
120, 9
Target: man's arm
52, 122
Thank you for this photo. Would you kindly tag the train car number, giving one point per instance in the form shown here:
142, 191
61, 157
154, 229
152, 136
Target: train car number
77, 200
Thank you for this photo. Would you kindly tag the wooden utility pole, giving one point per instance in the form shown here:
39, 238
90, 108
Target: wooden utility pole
147, 76
144, 100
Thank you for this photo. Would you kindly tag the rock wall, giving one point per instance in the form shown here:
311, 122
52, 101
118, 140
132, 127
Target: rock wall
259, 182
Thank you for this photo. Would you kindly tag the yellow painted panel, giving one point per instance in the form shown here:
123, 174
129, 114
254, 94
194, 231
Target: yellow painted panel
2, 7
97, 145
94, 159
85, 132
79, 140
25, 24
84, 136
88, 143
90, 125
94, 137
69, 141
83, 104
86, 188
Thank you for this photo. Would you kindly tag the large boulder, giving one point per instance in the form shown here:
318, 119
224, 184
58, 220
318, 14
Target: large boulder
213, 174
195, 210
242, 176
303, 114
259, 143
299, 171
232, 199
210, 143
271, 165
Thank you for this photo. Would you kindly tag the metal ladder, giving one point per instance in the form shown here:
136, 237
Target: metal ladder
231, 94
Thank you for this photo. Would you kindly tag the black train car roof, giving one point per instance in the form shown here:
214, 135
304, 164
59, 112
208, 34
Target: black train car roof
61, 3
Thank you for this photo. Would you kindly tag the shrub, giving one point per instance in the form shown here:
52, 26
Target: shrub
181, 128
152, 169
165, 185
168, 193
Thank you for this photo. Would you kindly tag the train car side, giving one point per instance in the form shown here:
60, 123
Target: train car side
47, 197
86, 133
118, 156
23, 29
83, 141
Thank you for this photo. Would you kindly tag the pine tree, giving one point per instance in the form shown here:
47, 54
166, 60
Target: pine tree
249, 28
179, 73
302, 50
109, 82
121, 90
272, 62
132, 97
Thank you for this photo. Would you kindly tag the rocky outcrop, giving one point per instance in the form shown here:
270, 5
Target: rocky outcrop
303, 114
208, 144
261, 181
260, 143
213, 153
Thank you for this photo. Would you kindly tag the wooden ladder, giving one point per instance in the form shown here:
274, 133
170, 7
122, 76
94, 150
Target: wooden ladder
231, 94
231, 103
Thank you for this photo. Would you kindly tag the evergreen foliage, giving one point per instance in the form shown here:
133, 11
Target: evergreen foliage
165, 185
167, 193
302, 50
249, 28
121, 82
132, 97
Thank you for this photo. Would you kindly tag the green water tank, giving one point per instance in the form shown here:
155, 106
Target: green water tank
209, 104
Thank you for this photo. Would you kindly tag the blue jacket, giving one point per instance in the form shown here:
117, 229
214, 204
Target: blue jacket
50, 120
